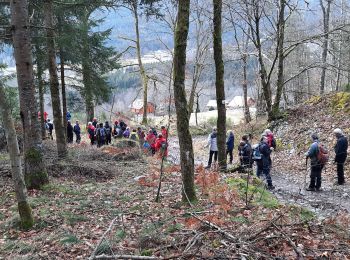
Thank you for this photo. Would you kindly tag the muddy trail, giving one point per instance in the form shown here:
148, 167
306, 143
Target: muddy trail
290, 187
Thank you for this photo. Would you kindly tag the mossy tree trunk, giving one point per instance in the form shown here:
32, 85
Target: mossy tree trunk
25, 212
61, 140
35, 170
185, 138
219, 83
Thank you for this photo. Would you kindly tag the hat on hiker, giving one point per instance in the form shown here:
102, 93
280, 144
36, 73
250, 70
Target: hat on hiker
337, 131
314, 136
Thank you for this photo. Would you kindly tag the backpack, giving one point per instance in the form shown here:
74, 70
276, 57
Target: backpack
322, 154
102, 132
133, 137
256, 154
163, 146
50, 126
108, 130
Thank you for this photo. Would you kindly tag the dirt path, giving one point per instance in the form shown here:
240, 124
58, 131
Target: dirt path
290, 188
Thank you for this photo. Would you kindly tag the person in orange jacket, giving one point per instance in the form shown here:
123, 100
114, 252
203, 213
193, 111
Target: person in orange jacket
161, 145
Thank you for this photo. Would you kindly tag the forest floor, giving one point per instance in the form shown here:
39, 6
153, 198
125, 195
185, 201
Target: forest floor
102, 202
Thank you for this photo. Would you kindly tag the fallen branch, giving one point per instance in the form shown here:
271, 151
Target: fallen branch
219, 229
272, 222
125, 257
290, 241
102, 238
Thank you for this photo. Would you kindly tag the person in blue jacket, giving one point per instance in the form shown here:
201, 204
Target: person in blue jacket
316, 167
341, 152
77, 131
230, 144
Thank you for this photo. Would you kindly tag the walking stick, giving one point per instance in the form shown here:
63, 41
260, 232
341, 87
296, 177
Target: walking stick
306, 172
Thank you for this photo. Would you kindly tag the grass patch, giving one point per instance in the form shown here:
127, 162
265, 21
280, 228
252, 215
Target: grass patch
174, 227
119, 235
69, 239
104, 248
58, 188
256, 190
240, 219
72, 219
304, 214
18, 247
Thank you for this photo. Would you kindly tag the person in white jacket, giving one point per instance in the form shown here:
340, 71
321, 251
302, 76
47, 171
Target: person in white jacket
213, 145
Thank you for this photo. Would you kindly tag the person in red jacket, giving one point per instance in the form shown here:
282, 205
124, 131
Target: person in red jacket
161, 145
151, 139
164, 132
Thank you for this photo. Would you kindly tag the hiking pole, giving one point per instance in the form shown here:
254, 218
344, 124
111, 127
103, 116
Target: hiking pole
306, 172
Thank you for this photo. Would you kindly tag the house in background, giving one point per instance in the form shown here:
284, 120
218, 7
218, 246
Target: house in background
238, 102
137, 107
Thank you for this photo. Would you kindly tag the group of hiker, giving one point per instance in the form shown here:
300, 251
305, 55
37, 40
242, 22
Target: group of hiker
101, 134
261, 154
319, 156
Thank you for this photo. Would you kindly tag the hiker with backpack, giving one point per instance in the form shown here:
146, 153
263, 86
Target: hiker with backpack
91, 133
77, 131
126, 133
141, 135
100, 135
271, 141
318, 156
256, 157
230, 144
151, 139
49, 127
70, 134
245, 153
133, 135
341, 152
265, 151
94, 122
108, 130
164, 132
213, 147
161, 145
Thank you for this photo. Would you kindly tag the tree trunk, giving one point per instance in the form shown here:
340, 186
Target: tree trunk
219, 84
63, 82
280, 55
86, 70
25, 212
247, 116
61, 140
139, 58
185, 138
326, 14
35, 170
40, 72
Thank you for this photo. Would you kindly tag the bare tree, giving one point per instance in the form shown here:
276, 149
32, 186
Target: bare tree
35, 171
326, 10
219, 82
185, 138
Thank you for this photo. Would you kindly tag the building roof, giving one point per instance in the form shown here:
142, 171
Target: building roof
212, 103
238, 101
138, 104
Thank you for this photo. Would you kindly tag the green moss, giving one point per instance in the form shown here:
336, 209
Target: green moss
341, 101
146, 252
256, 190
25, 212
33, 155
36, 180
313, 100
